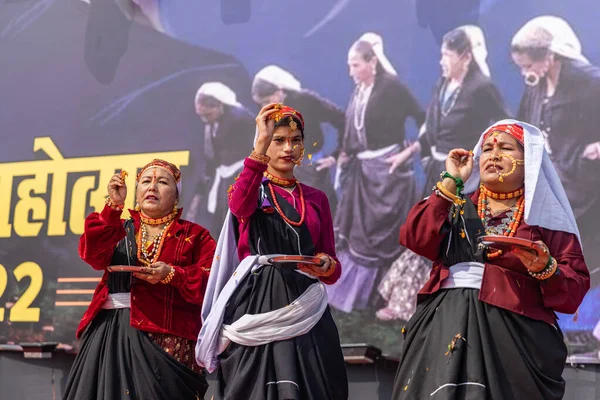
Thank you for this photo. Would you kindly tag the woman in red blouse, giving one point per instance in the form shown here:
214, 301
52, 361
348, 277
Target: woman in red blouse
485, 325
139, 332
270, 332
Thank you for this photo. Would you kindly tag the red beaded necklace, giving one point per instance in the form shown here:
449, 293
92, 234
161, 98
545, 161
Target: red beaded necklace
283, 182
516, 218
502, 196
278, 208
159, 221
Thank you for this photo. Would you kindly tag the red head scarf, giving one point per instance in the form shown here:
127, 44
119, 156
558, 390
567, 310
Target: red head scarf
286, 111
516, 131
157, 163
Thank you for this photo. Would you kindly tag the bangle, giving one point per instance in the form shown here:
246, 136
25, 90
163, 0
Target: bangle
261, 158
439, 193
459, 182
448, 195
332, 266
548, 270
169, 276
116, 207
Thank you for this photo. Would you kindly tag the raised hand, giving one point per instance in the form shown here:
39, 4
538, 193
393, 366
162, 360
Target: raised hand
117, 189
265, 127
459, 164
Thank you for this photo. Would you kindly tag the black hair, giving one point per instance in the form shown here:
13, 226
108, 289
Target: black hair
536, 53
458, 41
365, 49
262, 88
209, 101
286, 122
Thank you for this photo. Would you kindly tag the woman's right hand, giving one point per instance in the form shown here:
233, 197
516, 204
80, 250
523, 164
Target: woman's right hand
459, 164
117, 190
265, 127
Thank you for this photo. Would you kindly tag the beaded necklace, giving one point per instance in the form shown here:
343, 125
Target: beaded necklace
517, 215
280, 211
283, 182
144, 255
159, 221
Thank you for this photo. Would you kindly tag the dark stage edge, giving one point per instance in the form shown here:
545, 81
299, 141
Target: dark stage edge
370, 373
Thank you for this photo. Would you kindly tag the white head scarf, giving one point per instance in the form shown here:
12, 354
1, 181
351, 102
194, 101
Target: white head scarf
478, 47
553, 33
220, 92
546, 203
279, 77
376, 43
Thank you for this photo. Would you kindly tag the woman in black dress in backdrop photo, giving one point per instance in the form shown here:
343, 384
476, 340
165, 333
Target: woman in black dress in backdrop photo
376, 191
465, 101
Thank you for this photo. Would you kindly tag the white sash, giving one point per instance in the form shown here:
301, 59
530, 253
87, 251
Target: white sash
222, 172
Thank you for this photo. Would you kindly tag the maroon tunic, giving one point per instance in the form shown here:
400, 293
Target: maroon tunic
243, 202
174, 308
506, 282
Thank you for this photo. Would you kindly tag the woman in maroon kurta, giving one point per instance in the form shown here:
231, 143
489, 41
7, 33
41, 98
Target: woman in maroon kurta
139, 332
276, 214
485, 325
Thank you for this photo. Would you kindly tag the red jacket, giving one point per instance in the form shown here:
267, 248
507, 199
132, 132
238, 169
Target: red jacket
506, 283
174, 308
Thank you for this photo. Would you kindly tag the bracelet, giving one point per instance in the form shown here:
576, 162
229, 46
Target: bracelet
169, 276
116, 207
438, 193
261, 158
448, 195
331, 269
548, 270
459, 182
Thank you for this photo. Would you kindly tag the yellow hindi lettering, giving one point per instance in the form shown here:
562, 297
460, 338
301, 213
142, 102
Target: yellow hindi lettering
29, 205
79, 195
6, 182
56, 221
89, 191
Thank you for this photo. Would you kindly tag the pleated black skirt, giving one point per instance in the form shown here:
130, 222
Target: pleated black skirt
457, 347
117, 361
307, 367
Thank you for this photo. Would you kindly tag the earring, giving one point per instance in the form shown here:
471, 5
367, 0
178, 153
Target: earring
299, 160
175, 206
137, 207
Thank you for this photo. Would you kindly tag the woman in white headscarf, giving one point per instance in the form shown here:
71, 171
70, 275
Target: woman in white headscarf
376, 192
224, 119
562, 97
465, 101
485, 325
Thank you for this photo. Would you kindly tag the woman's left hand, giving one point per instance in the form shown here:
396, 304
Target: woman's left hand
318, 270
154, 273
534, 261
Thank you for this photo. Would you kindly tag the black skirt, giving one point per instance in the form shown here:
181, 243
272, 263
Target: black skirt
457, 347
117, 361
306, 367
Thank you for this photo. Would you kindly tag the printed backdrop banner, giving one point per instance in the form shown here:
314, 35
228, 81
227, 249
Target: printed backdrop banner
93, 87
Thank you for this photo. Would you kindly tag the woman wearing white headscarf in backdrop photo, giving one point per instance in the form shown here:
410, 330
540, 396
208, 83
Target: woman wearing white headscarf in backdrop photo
562, 97
227, 137
376, 192
465, 101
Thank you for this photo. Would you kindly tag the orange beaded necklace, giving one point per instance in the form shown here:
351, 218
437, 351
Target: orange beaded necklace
482, 204
278, 208
283, 182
